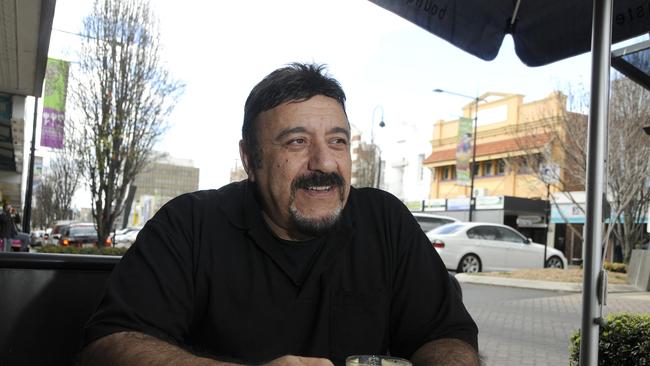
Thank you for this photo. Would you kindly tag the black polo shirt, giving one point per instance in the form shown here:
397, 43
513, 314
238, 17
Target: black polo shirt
206, 274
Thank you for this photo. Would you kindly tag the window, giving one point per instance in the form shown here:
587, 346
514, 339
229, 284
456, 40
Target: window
448, 172
476, 167
509, 235
528, 164
523, 166
482, 232
487, 168
501, 167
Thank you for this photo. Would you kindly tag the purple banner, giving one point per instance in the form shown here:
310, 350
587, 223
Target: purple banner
52, 131
54, 95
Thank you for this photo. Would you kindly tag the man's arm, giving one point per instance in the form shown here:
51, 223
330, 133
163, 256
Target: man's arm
134, 348
446, 352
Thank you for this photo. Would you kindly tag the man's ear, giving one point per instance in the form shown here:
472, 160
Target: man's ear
245, 159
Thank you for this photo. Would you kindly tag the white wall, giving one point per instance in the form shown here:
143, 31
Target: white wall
402, 145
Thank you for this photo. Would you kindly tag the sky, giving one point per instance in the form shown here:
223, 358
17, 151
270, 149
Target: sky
221, 49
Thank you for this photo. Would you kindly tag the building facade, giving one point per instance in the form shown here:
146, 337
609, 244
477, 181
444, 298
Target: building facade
512, 138
158, 183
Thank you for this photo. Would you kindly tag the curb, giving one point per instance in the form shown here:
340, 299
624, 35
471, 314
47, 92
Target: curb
536, 284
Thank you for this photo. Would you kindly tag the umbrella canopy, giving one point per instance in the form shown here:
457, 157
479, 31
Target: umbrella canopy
543, 31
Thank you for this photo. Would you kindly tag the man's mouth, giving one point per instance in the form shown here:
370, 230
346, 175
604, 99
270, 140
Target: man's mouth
319, 188
318, 185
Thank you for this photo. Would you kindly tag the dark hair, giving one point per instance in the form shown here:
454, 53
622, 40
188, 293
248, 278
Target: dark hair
294, 82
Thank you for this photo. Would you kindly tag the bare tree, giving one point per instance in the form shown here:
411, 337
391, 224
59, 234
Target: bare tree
57, 188
65, 180
554, 141
44, 211
628, 168
628, 158
124, 96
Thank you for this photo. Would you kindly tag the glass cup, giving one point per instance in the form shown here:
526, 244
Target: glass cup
376, 360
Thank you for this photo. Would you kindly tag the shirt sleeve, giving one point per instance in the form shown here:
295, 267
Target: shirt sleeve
151, 288
425, 305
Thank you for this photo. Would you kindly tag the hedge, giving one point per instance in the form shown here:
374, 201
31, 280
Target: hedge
623, 341
615, 267
75, 250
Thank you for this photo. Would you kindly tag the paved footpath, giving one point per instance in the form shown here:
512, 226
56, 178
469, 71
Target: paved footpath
523, 326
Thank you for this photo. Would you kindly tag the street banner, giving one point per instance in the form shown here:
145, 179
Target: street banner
56, 83
463, 151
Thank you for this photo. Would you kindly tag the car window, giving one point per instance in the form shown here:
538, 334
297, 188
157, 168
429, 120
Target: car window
82, 230
447, 229
482, 232
509, 235
430, 223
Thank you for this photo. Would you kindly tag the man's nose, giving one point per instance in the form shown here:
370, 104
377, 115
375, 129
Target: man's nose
322, 157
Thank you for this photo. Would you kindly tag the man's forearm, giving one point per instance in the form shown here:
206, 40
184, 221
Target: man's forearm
446, 352
133, 348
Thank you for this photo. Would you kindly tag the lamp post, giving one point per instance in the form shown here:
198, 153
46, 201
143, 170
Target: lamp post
476, 99
372, 142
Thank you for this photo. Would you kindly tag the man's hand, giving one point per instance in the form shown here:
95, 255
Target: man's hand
299, 361
446, 352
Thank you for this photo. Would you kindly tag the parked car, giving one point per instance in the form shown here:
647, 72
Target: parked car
80, 235
126, 237
55, 233
479, 246
429, 221
15, 245
38, 237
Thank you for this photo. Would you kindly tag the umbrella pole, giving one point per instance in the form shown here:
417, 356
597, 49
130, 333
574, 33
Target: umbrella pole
597, 137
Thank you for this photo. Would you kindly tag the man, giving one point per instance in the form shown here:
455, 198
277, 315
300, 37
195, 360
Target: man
14, 224
290, 267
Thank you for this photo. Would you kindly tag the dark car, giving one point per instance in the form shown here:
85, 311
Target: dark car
80, 236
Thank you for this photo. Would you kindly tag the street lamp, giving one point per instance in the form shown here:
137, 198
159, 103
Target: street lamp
472, 205
372, 142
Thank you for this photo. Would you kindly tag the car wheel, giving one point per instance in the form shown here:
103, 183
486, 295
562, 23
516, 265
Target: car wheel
470, 263
554, 262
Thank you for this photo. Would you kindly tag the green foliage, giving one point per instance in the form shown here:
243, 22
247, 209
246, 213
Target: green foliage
615, 267
623, 341
74, 250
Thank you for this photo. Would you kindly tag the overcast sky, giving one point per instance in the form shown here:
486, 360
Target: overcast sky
221, 49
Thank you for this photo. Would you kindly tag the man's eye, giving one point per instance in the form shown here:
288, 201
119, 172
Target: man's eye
339, 141
298, 141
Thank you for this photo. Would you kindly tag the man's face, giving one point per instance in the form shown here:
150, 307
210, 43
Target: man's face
304, 178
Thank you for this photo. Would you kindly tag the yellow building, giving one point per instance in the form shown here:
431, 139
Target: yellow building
512, 138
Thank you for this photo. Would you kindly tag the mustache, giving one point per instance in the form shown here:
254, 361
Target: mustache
317, 179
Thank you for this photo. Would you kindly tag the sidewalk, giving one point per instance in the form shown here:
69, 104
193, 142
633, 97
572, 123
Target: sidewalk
543, 285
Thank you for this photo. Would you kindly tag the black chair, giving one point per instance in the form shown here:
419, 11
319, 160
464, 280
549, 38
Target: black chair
45, 300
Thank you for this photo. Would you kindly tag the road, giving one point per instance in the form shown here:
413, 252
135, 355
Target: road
532, 327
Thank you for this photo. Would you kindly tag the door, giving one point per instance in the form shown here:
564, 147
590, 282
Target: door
521, 253
488, 247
